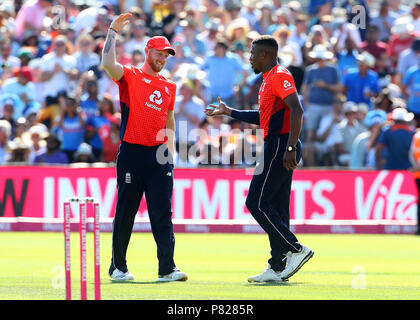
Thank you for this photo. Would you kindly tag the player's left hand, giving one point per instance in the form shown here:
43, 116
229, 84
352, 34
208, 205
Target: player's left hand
289, 160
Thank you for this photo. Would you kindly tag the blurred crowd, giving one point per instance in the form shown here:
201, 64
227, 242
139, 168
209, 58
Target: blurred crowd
356, 65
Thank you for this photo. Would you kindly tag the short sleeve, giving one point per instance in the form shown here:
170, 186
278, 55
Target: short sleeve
376, 86
283, 84
407, 78
205, 65
238, 65
172, 103
335, 75
345, 80
382, 137
128, 75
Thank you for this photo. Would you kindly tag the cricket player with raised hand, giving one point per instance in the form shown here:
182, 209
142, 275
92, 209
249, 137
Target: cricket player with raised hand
147, 103
280, 117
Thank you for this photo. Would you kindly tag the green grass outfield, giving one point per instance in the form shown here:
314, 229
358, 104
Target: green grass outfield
218, 265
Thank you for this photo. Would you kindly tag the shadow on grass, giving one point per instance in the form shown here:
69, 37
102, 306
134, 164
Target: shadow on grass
273, 284
132, 282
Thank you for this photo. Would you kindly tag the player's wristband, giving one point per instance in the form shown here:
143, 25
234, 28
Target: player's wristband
113, 30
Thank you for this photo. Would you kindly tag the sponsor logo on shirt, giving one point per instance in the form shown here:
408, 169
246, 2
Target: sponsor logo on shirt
146, 80
153, 106
287, 85
166, 90
156, 97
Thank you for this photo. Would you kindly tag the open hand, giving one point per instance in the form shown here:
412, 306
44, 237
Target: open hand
120, 22
215, 110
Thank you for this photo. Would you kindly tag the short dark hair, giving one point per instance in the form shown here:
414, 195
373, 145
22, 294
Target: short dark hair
415, 45
373, 27
267, 43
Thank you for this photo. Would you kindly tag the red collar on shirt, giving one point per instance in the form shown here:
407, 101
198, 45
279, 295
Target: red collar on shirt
400, 126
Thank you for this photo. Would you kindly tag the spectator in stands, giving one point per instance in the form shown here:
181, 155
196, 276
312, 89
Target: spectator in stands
120, 54
377, 49
213, 31
5, 133
8, 103
34, 138
98, 126
345, 30
237, 30
317, 35
322, 150
362, 110
282, 16
197, 76
384, 20
221, 67
30, 16
7, 15
282, 35
384, 101
362, 84
57, 69
171, 20
139, 37
409, 58
410, 87
299, 34
25, 55
320, 84
347, 131
321, 9
248, 11
53, 155
397, 8
71, 127
84, 153
6, 58
397, 141
89, 100
112, 140
84, 56
364, 145
183, 55
265, 19
197, 46
19, 151
137, 58
347, 58
22, 86
20, 127
188, 113
415, 16
402, 38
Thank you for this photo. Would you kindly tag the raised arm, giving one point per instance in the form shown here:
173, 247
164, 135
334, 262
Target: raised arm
114, 69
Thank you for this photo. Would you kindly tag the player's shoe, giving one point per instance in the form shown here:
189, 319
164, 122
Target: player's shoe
268, 275
118, 275
176, 275
295, 261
